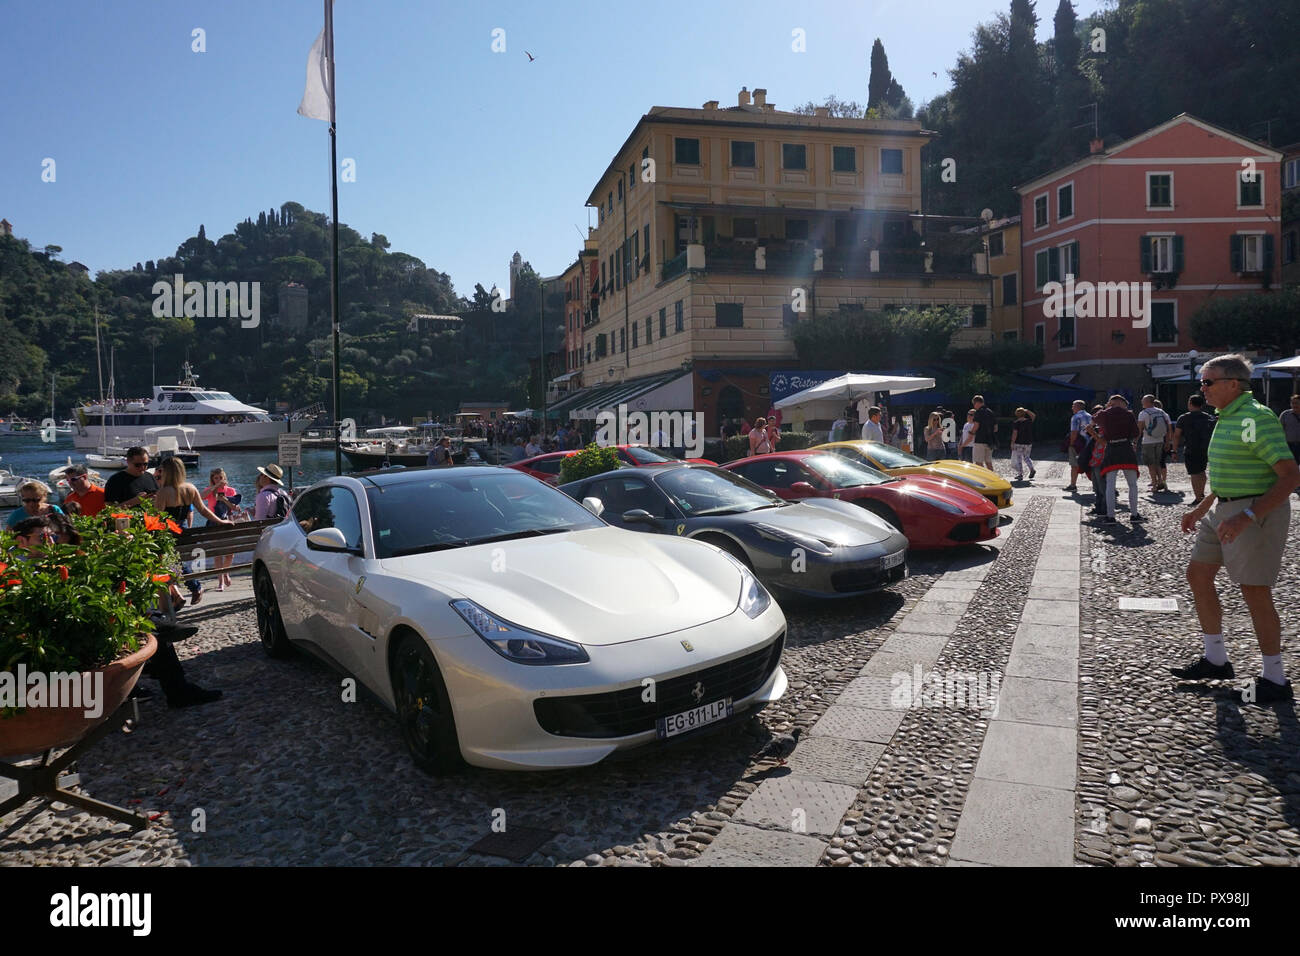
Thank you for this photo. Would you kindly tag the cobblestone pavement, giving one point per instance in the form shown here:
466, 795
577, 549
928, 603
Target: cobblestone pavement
284, 772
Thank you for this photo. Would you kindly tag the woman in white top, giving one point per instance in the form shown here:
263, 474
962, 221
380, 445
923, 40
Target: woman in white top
934, 446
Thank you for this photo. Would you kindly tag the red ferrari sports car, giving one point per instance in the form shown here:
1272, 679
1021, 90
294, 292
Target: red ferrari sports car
547, 467
932, 513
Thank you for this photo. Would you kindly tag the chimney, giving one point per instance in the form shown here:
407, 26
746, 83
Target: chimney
1096, 146
821, 111
711, 105
760, 97
743, 98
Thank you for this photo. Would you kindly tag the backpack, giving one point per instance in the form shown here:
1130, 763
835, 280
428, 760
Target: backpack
282, 504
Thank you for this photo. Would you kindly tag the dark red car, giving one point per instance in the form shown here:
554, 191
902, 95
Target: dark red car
932, 513
547, 467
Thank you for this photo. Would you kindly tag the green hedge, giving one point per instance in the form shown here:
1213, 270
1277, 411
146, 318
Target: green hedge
738, 445
592, 460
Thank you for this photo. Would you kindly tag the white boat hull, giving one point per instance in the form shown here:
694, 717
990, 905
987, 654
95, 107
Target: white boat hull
243, 435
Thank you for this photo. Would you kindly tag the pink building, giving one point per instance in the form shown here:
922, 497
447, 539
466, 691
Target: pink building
1189, 208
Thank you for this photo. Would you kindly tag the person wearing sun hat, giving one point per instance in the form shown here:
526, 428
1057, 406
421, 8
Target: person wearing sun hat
270, 488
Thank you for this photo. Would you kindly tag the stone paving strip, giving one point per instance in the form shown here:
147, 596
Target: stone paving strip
1020, 809
804, 816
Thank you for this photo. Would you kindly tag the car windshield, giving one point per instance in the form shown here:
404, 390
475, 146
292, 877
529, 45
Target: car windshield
645, 456
456, 511
888, 457
842, 473
712, 491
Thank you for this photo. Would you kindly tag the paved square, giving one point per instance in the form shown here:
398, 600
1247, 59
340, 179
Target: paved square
1028, 753
858, 723
1015, 824
874, 692
739, 845
1029, 700
798, 805
834, 760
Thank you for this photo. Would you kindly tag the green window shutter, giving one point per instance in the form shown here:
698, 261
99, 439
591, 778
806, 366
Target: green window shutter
1235, 246
1145, 243
1054, 264
1268, 252
1178, 253
1074, 258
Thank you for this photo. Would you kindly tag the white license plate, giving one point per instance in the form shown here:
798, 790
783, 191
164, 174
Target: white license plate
892, 560
693, 719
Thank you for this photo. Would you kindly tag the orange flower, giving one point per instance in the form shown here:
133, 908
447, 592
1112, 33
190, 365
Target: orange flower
63, 572
153, 523
173, 527
121, 514
3, 567
121, 587
161, 578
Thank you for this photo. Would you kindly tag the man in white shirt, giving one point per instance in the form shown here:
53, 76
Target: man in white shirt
532, 448
871, 430
1155, 433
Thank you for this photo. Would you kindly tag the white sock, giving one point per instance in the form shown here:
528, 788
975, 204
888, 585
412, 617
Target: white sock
1215, 652
1273, 669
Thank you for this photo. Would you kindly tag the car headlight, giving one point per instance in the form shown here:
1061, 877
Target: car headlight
517, 644
754, 599
807, 542
939, 503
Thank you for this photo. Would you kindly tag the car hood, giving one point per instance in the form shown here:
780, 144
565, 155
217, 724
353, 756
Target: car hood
965, 471
829, 519
952, 490
598, 587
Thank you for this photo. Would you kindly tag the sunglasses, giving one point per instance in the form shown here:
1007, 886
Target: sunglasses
1207, 382
139, 464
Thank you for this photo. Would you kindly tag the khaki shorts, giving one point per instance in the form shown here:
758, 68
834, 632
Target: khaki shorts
1074, 456
1255, 557
1151, 454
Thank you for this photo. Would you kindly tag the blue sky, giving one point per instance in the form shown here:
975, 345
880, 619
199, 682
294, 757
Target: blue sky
462, 155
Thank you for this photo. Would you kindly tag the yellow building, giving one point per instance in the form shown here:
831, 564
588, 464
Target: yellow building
1003, 236
719, 229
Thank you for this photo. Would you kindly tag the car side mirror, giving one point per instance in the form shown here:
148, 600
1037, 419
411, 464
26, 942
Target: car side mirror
801, 489
638, 516
328, 539
594, 505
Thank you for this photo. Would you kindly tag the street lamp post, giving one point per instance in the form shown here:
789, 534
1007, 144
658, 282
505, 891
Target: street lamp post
1191, 365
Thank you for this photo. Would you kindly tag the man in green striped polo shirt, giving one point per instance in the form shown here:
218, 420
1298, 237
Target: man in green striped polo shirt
1252, 475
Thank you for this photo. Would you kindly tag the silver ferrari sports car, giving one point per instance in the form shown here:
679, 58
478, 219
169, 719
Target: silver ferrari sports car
507, 625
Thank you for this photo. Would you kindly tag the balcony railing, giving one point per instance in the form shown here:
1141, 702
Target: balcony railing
674, 267
942, 257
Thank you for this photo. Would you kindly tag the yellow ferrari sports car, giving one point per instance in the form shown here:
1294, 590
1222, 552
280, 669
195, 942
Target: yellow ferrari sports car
890, 460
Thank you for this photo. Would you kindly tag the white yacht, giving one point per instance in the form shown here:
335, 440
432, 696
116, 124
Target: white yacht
218, 419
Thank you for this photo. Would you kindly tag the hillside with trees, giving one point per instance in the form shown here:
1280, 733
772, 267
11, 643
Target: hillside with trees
47, 311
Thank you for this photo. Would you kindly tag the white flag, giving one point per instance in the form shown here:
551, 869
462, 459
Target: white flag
318, 97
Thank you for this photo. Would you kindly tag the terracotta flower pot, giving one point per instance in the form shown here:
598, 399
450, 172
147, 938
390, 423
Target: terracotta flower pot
45, 728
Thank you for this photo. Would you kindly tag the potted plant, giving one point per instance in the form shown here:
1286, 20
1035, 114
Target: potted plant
79, 611
592, 460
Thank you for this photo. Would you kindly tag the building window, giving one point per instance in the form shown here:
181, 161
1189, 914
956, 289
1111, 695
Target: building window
788, 317
1011, 335
731, 315
1070, 259
1065, 202
1289, 247
1253, 253
1160, 190
646, 244
631, 177
1162, 254
796, 228
891, 162
677, 308
996, 247
618, 266
1009, 296
794, 156
588, 353
635, 264
600, 215
1291, 174
610, 201
686, 152
622, 340
742, 153
844, 159
600, 345
1047, 267
620, 189
648, 320
846, 233
1250, 194
634, 330
1040, 211
1065, 334
602, 280
1040, 333
663, 322
744, 228
1164, 326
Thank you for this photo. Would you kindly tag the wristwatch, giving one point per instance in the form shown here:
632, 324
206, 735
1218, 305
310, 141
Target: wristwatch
1251, 515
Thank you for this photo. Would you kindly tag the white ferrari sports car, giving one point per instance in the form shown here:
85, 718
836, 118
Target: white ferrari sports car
507, 625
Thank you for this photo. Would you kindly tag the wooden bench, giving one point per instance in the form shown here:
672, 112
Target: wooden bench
217, 541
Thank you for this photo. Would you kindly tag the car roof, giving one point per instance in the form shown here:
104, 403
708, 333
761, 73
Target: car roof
651, 474
397, 476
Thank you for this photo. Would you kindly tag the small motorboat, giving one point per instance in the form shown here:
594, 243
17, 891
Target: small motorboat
9, 484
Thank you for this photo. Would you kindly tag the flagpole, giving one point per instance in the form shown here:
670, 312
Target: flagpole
334, 232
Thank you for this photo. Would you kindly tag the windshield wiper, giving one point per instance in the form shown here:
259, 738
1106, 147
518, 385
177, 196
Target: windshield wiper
424, 549
530, 533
